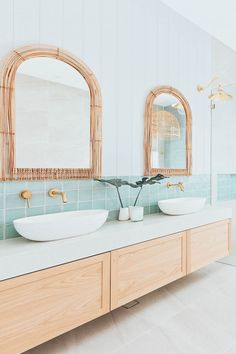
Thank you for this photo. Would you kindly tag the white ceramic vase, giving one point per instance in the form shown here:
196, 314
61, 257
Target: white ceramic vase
124, 214
136, 213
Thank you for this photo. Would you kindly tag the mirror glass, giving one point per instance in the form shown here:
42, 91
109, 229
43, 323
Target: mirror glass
52, 115
168, 132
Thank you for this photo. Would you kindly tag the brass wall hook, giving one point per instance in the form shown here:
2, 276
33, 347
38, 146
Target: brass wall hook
26, 195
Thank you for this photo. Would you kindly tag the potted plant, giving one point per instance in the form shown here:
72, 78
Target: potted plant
117, 183
136, 212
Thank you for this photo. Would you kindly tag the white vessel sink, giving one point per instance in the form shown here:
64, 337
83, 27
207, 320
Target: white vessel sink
60, 225
181, 206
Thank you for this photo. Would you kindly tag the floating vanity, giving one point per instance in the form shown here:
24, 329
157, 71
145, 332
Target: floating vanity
49, 288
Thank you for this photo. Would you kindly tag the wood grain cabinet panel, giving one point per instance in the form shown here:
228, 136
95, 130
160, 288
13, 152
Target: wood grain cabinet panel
39, 306
207, 244
140, 269
42, 305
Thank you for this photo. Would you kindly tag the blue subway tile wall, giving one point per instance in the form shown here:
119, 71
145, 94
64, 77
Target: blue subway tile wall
88, 194
226, 187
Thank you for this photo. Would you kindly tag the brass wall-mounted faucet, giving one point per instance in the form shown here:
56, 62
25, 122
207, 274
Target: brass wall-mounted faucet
179, 185
26, 195
54, 192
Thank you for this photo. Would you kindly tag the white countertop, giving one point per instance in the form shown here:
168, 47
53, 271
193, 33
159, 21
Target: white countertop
19, 256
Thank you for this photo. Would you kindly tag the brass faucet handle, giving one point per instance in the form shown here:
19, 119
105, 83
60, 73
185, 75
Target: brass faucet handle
26, 195
53, 192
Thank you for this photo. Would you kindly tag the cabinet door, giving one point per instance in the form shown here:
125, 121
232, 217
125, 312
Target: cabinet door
139, 269
42, 305
207, 244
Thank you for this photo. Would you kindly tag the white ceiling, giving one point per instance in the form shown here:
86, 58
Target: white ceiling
217, 17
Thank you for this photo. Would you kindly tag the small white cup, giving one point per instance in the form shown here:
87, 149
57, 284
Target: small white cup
136, 213
124, 214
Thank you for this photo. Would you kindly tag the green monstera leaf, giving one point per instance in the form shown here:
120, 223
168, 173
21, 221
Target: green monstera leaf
117, 183
147, 180
150, 181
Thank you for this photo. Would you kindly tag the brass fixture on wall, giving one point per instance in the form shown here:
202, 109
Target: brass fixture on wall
54, 192
179, 185
26, 195
218, 94
202, 88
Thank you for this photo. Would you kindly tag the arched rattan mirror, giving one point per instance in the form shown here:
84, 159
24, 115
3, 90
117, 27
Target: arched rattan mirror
50, 124
167, 139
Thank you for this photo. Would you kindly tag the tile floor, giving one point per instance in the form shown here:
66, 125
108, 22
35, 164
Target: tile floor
194, 315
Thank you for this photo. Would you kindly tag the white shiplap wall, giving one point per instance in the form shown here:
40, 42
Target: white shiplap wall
132, 46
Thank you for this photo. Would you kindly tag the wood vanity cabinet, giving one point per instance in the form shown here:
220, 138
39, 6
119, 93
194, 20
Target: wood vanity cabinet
39, 306
207, 244
42, 305
140, 269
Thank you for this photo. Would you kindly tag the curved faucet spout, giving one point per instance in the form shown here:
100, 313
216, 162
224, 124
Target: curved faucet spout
179, 185
54, 192
64, 197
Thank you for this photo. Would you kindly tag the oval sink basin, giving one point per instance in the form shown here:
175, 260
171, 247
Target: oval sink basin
60, 225
181, 206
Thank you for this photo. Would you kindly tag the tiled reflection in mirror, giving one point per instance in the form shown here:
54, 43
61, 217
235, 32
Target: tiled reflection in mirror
88, 194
